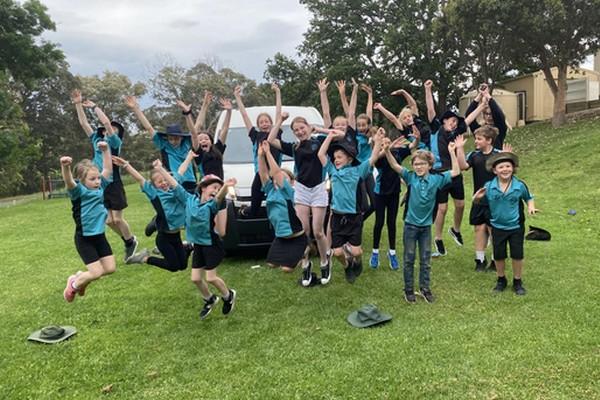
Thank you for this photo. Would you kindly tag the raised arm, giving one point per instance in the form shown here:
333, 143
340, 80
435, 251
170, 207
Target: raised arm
460, 152
341, 87
101, 116
390, 157
201, 120
277, 91
410, 101
377, 140
389, 115
351, 114
157, 165
322, 85
369, 91
83, 121
107, 167
429, 100
189, 158
455, 167
231, 182
473, 116
225, 105
237, 93
125, 166
65, 169
263, 170
132, 103
272, 138
322, 153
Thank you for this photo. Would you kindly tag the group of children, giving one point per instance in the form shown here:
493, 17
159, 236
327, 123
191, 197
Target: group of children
300, 205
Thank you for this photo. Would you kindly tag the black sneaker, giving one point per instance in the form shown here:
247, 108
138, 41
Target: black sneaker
492, 266
208, 306
349, 271
151, 227
500, 284
358, 267
409, 296
518, 288
456, 236
427, 295
131, 249
326, 273
479, 266
307, 275
440, 250
229, 303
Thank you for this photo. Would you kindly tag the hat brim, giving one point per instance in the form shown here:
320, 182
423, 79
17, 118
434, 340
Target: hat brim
450, 114
501, 157
120, 129
210, 182
37, 335
538, 234
355, 321
182, 134
333, 147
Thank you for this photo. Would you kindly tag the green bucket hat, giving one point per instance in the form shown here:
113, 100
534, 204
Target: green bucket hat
366, 316
52, 334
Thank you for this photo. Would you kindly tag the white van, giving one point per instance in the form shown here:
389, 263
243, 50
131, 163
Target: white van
238, 163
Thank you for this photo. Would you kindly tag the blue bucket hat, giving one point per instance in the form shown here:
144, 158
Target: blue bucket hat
174, 130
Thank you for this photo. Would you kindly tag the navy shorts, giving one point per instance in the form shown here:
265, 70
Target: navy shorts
114, 196
92, 248
287, 252
456, 189
514, 238
480, 213
208, 257
346, 228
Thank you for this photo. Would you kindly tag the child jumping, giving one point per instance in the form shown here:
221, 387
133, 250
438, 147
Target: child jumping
505, 195
418, 215
87, 197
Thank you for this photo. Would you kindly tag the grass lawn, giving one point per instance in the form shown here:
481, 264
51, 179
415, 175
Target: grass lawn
140, 336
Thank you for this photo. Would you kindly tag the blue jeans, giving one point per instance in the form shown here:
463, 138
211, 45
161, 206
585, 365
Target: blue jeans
414, 235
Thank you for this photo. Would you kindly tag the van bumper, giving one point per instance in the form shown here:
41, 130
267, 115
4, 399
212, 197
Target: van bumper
247, 233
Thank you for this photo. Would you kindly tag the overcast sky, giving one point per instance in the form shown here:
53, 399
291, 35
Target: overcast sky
132, 36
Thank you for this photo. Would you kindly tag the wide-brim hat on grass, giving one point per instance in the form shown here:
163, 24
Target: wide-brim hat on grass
209, 180
501, 157
368, 315
52, 334
174, 130
347, 146
450, 114
536, 233
115, 124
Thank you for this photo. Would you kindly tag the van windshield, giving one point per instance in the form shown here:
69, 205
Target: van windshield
239, 146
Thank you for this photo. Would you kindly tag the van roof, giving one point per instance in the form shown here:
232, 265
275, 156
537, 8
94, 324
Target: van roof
312, 115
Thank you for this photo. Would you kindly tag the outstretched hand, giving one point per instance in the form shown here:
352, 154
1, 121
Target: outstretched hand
237, 91
323, 85
225, 103
531, 210
507, 148
366, 88
157, 164
66, 160
479, 194
460, 141
184, 107
231, 182
131, 101
275, 87
76, 96
89, 104
451, 147
265, 146
284, 115
208, 96
341, 85
400, 142
102, 145
118, 161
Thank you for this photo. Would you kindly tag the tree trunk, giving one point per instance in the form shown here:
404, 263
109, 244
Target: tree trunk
560, 99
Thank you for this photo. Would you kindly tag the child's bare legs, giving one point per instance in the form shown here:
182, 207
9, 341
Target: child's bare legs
459, 210
500, 266
221, 222
104, 266
318, 220
339, 254
481, 237
439, 220
198, 280
212, 278
517, 266
118, 224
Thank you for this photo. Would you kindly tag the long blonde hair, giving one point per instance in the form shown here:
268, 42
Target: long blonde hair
82, 168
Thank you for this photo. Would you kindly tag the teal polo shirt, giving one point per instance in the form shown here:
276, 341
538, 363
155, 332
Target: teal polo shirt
113, 141
421, 200
172, 156
504, 206
170, 210
199, 217
364, 148
280, 208
344, 185
88, 208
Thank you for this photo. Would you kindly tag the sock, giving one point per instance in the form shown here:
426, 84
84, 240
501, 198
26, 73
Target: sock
516, 282
502, 278
74, 286
210, 299
392, 252
480, 255
375, 251
128, 242
323, 265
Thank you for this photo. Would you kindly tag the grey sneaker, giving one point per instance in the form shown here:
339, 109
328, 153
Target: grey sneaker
208, 306
409, 296
229, 303
427, 295
138, 258
131, 249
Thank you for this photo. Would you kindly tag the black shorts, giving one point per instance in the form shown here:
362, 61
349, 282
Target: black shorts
480, 213
114, 196
514, 238
208, 257
346, 228
456, 189
92, 248
287, 252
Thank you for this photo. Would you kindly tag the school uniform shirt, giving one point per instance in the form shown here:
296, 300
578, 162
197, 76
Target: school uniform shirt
307, 167
280, 208
388, 181
344, 183
424, 129
505, 206
114, 142
88, 208
170, 210
423, 190
364, 148
199, 217
172, 156
497, 116
257, 137
211, 162
476, 160
438, 143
